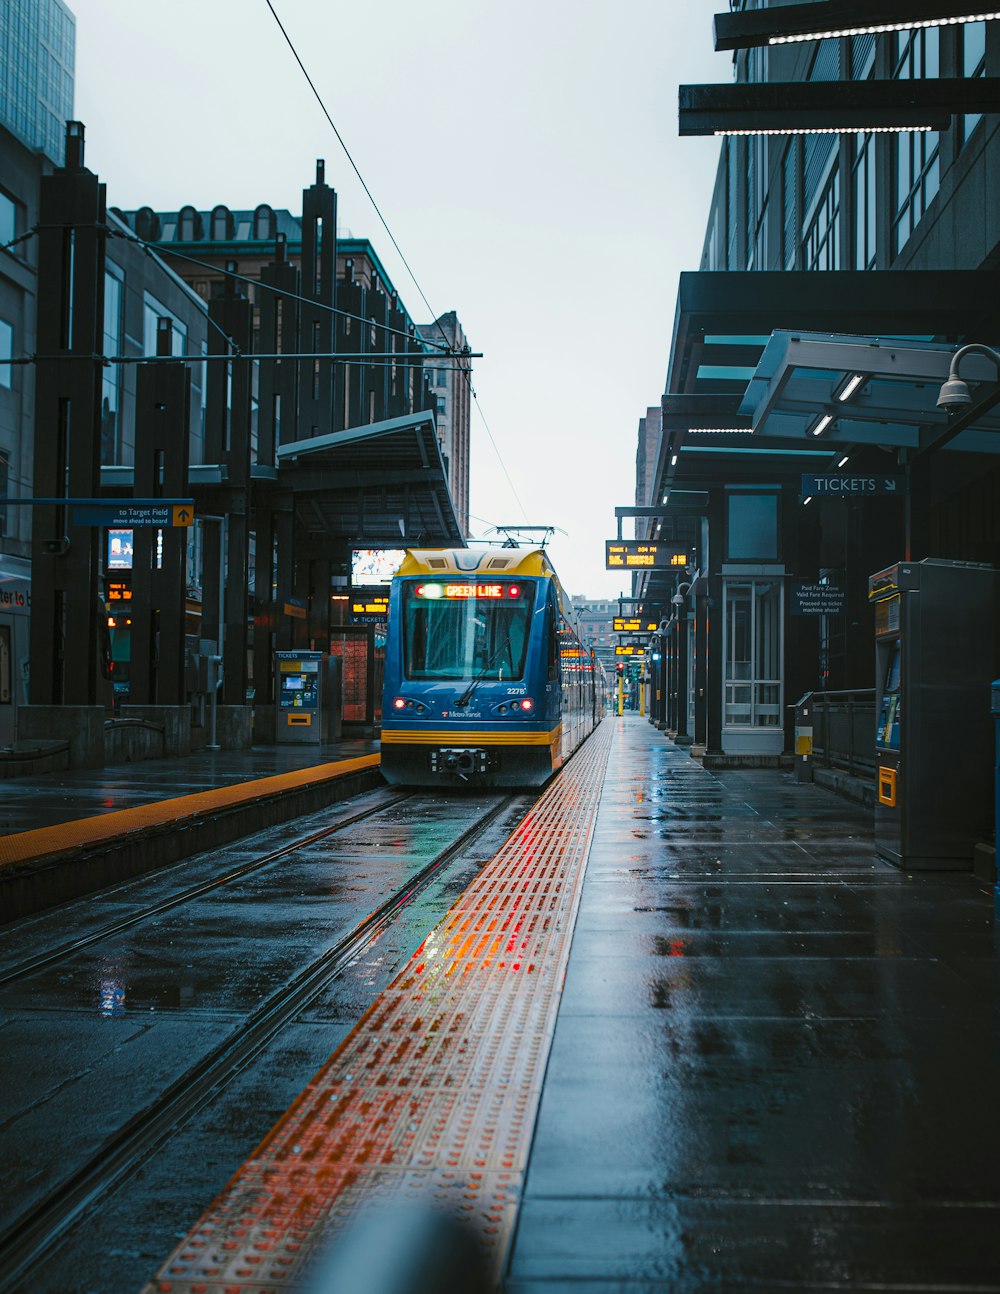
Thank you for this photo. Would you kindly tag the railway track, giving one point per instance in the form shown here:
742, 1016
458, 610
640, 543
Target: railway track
30, 966
40, 1227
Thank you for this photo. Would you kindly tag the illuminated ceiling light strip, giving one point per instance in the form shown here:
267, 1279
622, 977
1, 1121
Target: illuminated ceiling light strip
822, 424
720, 431
843, 461
828, 130
850, 387
875, 28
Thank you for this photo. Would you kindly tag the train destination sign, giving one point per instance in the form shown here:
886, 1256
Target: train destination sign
634, 625
433, 591
643, 554
836, 485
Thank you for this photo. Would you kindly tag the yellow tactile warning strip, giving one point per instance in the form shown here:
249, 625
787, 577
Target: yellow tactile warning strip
25, 846
433, 1096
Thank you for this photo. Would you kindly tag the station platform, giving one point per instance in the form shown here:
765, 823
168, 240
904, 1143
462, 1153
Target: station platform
684, 1032
68, 833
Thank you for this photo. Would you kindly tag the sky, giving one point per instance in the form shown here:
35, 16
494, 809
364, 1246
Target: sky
525, 157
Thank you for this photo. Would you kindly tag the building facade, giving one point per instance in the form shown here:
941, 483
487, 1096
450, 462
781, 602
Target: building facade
204, 247
38, 38
451, 388
818, 238
597, 617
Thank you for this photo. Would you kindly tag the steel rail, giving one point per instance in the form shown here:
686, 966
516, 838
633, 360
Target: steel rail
34, 964
41, 1226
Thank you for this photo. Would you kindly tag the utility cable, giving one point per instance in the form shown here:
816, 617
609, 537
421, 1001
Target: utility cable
392, 239
159, 249
361, 179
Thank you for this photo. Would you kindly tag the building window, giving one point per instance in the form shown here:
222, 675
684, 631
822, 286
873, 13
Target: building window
757, 252
152, 310
916, 169
863, 173
8, 220
111, 374
263, 223
753, 650
189, 225
752, 531
973, 38
789, 206
821, 241
6, 353
221, 224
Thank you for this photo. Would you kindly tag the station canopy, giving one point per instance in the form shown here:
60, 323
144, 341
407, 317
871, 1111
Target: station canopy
386, 480
727, 348
829, 390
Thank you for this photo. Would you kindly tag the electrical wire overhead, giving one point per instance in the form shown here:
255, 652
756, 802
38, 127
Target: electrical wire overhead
433, 314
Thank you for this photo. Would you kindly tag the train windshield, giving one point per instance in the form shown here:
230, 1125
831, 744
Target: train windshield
462, 630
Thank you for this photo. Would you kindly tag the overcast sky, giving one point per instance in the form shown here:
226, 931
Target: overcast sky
524, 155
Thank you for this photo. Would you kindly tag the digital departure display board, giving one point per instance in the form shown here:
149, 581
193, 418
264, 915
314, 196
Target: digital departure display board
643, 554
635, 625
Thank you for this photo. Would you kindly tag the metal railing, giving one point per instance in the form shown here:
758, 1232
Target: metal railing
843, 729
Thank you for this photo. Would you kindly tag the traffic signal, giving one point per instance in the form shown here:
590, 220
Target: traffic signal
620, 667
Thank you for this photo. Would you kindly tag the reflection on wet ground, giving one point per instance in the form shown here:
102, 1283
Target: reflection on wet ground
776, 1060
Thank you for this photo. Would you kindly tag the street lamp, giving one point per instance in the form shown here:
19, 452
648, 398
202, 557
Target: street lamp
954, 393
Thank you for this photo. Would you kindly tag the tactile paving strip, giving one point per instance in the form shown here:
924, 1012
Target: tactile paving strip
43, 842
433, 1095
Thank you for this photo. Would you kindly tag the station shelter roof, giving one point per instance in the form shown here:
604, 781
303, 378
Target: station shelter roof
723, 359
386, 480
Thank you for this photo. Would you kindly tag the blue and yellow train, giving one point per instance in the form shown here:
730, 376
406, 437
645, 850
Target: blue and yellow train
486, 680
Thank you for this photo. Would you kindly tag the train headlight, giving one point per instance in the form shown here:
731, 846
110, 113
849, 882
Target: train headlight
399, 703
527, 705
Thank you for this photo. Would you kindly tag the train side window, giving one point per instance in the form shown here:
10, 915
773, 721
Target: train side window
553, 644
6, 666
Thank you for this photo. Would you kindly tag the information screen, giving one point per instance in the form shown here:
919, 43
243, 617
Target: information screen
639, 555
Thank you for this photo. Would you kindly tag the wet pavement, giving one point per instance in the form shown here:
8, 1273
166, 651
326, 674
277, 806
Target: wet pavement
48, 799
777, 1058
88, 1043
776, 1064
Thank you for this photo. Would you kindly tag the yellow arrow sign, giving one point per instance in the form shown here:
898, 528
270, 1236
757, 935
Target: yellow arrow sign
183, 515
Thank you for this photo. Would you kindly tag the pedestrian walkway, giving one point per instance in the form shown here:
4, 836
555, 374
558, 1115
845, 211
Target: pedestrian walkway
773, 1066
776, 1062
69, 833
47, 799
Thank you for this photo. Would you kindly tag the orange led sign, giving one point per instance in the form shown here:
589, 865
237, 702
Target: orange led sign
637, 555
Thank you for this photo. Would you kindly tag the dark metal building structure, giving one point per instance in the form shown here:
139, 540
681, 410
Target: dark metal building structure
871, 242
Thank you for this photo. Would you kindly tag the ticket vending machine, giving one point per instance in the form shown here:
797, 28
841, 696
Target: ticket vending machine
299, 700
935, 656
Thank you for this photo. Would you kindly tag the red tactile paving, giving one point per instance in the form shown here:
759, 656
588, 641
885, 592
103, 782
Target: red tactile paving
433, 1096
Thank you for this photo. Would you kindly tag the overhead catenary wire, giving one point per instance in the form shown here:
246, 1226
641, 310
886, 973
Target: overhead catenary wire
354, 168
392, 239
159, 249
